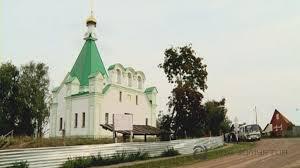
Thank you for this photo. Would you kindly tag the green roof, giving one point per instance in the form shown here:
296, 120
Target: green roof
150, 90
70, 79
88, 62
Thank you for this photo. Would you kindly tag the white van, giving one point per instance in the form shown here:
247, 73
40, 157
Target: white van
250, 132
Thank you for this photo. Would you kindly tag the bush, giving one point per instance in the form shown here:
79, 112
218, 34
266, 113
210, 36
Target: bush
20, 164
120, 157
170, 152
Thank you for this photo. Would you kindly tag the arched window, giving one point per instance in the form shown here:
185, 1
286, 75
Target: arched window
139, 82
118, 76
129, 80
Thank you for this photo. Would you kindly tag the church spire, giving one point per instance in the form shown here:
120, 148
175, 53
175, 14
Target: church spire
91, 23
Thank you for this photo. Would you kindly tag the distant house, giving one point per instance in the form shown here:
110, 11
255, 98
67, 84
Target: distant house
280, 123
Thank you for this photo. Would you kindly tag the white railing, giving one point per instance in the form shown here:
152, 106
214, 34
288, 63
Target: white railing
53, 157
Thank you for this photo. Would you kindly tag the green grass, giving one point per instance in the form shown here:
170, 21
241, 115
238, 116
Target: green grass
89, 161
191, 159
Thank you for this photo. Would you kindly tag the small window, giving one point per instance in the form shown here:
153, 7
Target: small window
146, 121
60, 123
139, 82
129, 80
83, 119
106, 118
76, 120
129, 97
137, 100
150, 101
120, 96
118, 76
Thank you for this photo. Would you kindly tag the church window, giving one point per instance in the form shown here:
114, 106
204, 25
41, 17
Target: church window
106, 118
83, 119
118, 76
120, 96
129, 80
146, 121
76, 120
139, 82
137, 100
60, 123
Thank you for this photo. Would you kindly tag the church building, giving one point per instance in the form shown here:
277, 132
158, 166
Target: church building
90, 94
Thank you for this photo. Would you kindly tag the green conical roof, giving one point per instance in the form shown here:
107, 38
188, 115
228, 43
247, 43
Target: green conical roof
88, 62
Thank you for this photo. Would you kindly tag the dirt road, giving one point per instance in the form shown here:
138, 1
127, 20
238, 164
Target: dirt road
273, 153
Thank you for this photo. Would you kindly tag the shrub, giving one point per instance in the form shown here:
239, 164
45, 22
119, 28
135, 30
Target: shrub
120, 157
20, 164
170, 152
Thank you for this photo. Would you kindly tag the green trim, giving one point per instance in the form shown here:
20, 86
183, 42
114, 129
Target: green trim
70, 79
94, 74
141, 73
80, 94
105, 89
111, 67
88, 62
151, 89
130, 69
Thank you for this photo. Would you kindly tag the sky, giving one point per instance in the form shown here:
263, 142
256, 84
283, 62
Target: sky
251, 48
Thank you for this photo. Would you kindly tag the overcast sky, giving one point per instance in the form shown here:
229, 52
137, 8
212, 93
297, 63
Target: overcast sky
251, 48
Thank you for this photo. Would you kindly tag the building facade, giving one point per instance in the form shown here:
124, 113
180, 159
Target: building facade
90, 94
280, 123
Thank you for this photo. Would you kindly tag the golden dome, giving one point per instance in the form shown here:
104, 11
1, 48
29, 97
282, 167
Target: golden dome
91, 19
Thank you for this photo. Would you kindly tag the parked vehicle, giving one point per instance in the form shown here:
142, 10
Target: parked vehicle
250, 132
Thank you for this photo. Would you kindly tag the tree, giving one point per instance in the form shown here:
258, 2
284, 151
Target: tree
182, 67
34, 82
9, 98
217, 120
189, 75
24, 98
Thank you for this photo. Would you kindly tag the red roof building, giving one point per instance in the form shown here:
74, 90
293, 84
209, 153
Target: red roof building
279, 123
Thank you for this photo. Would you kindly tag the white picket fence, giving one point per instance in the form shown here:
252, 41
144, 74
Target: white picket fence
53, 157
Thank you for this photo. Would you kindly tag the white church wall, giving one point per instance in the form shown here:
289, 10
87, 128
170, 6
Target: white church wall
59, 112
80, 105
112, 104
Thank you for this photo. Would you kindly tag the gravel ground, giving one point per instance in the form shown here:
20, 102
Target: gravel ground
273, 153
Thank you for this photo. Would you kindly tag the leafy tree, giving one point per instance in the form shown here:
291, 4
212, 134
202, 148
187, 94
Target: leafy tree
34, 82
24, 98
217, 120
9, 98
182, 67
188, 74
163, 123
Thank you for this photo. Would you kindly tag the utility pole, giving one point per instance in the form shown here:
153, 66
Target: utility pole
255, 114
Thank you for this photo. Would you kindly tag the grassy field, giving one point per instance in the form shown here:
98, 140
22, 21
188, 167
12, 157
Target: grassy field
29, 142
190, 159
